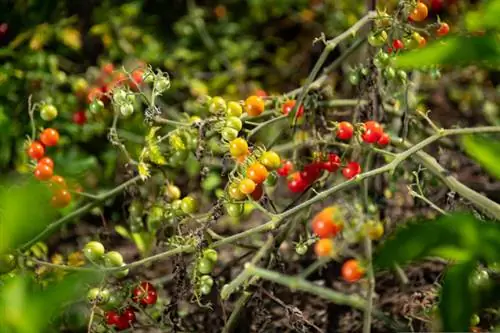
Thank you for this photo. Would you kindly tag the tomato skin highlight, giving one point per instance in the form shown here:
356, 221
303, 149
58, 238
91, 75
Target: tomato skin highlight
351, 271
61, 198
36, 150
324, 224
43, 172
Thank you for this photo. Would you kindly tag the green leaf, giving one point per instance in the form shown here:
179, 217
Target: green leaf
454, 50
486, 151
456, 306
485, 18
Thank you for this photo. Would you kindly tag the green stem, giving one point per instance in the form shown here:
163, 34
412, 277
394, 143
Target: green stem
342, 102
367, 317
164, 121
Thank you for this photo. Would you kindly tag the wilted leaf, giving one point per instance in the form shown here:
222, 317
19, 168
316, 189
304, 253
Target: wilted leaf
485, 151
454, 50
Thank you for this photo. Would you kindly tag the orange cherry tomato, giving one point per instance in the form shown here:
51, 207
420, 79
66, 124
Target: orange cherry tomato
257, 172
324, 224
247, 186
61, 198
46, 160
49, 137
36, 150
352, 271
57, 182
43, 172
419, 13
324, 247
254, 105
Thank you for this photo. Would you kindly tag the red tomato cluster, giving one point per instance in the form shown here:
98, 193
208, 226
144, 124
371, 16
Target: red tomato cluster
374, 133
144, 294
44, 169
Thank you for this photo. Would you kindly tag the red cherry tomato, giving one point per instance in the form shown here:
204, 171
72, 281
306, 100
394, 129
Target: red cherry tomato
49, 137
311, 172
332, 164
257, 193
397, 44
108, 68
345, 130
112, 318
145, 294
351, 170
46, 160
373, 132
324, 225
352, 271
296, 184
80, 118
285, 169
128, 315
384, 140
36, 150
260, 93
443, 29
43, 172
288, 107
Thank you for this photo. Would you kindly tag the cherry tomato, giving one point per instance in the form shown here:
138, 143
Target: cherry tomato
173, 192
112, 318
288, 107
94, 251
235, 193
145, 293
238, 147
257, 193
257, 172
443, 29
384, 139
332, 164
79, 118
377, 39
128, 315
247, 186
96, 106
210, 254
57, 182
254, 105
422, 42
137, 78
260, 93
354, 77
113, 259
94, 94
296, 184
437, 5
374, 230
324, 224
46, 160
352, 271
311, 172
122, 324
49, 137
36, 150
285, 169
48, 112
270, 160
351, 170
234, 209
419, 13
205, 266
7, 263
345, 130
324, 247
234, 109
217, 105
43, 172
373, 132
61, 198
234, 122
397, 44
188, 205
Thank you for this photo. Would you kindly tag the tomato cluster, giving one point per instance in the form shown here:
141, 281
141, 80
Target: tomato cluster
121, 320
204, 266
44, 169
95, 252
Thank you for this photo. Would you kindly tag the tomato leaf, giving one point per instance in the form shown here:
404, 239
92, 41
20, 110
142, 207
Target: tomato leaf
454, 50
485, 151
456, 306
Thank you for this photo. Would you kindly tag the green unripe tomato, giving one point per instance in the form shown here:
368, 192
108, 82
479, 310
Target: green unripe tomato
96, 106
210, 254
112, 303
121, 273
161, 84
188, 205
206, 280
389, 73
92, 295
176, 205
79, 85
205, 289
301, 248
354, 78
48, 112
126, 110
377, 39
234, 209
234, 109
234, 122
113, 259
481, 279
7, 263
217, 105
94, 251
271, 179
474, 320
384, 58
205, 266
119, 96
229, 134
172, 192
401, 75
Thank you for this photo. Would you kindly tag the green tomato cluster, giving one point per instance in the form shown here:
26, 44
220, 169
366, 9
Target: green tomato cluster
231, 125
204, 266
124, 101
96, 253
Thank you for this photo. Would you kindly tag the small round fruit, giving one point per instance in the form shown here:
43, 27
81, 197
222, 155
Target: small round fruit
257, 193
96, 106
238, 147
92, 295
61, 198
443, 29
113, 259
389, 73
126, 109
229, 134
311, 172
296, 183
324, 225
205, 289
235, 193
205, 266
324, 247
254, 105
354, 78
7, 263
108, 68
351, 271
112, 318
46, 160
120, 274
94, 251
374, 230
332, 164
36, 150
80, 118
48, 112
351, 170
419, 13
234, 209
384, 140
188, 205
474, 320
345, 130
257, 172
247, 186
301, 248
397, 44
402, 76
234, 109
206, 280
210, 254
172, 192
234, 122
49, 137
481, 279
217, 105
145, 293
128, 315
57, 182
43, 172
285, 169
373, 132
377, 39
270, 160
288, 107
